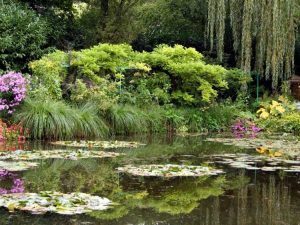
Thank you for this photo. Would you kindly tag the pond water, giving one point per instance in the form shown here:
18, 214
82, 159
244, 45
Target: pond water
237, 197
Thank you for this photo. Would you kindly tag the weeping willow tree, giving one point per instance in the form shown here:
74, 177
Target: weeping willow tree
263, 34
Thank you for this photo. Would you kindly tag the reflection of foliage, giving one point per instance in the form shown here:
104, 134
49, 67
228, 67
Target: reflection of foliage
70, 176
110, 214
185, 197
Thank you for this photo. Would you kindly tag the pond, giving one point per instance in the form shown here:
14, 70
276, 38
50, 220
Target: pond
237, 196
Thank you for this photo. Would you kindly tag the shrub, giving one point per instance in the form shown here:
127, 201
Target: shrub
167, 73
23, 35
12, 91
49, 73
275, 108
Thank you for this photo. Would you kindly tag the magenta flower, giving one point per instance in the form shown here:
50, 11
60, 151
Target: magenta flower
12, 91
17, 183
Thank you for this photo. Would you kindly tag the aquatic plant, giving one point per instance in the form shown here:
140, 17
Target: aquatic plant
55, 154
47, 201
15, 166
169, 170
99, 144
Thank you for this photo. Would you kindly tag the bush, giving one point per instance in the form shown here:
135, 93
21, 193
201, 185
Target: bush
167, 73
23, 35
12, 91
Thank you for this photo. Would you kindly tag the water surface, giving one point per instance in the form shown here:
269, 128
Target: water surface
238, 197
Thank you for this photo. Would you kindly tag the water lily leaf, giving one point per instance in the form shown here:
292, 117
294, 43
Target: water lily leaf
66, 204
99, 144
55, 154
169, 170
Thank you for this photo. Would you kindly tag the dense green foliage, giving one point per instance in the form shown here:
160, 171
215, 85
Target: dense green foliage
51, 119
262, 28
149, 83
112, 88
175, 74
23, 36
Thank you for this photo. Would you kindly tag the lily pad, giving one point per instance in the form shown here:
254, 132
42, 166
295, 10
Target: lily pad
278, 146
17, 166
255, 162
169, 170
98, 144
55, 154
56, 202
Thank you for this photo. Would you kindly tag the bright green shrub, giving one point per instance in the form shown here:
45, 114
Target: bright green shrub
196, 81
149, 88
168, 73
103, 96
48, 74
102, 59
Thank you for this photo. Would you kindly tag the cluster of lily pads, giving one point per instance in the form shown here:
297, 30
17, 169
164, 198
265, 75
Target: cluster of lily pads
169, 170
98, 144
46, 201
55, 154
256, 162
288, 147
15, 166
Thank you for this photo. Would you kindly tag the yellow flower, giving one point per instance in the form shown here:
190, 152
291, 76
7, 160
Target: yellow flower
281, 98
280, 109
264, 114
274, 104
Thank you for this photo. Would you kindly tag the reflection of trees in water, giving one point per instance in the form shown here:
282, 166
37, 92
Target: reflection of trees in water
271, 203
265, 203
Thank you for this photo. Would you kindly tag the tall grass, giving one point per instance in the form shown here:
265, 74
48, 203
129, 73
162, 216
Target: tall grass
126, 119
56, 120
89, 123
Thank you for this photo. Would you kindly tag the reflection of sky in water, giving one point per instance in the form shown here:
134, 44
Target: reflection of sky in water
238, 197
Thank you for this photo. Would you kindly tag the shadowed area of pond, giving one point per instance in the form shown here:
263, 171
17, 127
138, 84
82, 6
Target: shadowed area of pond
241, 197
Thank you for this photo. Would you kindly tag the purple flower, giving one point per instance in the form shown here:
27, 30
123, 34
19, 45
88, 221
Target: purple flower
12, 91
243, 128
17, 183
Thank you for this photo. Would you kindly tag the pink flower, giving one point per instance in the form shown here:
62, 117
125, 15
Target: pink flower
12, 91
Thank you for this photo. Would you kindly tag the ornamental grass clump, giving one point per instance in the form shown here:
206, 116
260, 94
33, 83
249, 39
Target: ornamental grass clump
12, 91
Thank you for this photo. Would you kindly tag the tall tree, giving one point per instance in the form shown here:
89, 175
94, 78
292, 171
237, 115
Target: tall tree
263, 35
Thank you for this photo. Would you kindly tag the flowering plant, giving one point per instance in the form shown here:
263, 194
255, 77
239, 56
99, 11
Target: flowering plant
14, 132
245, 128
12, 91
17, 184
275, 108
